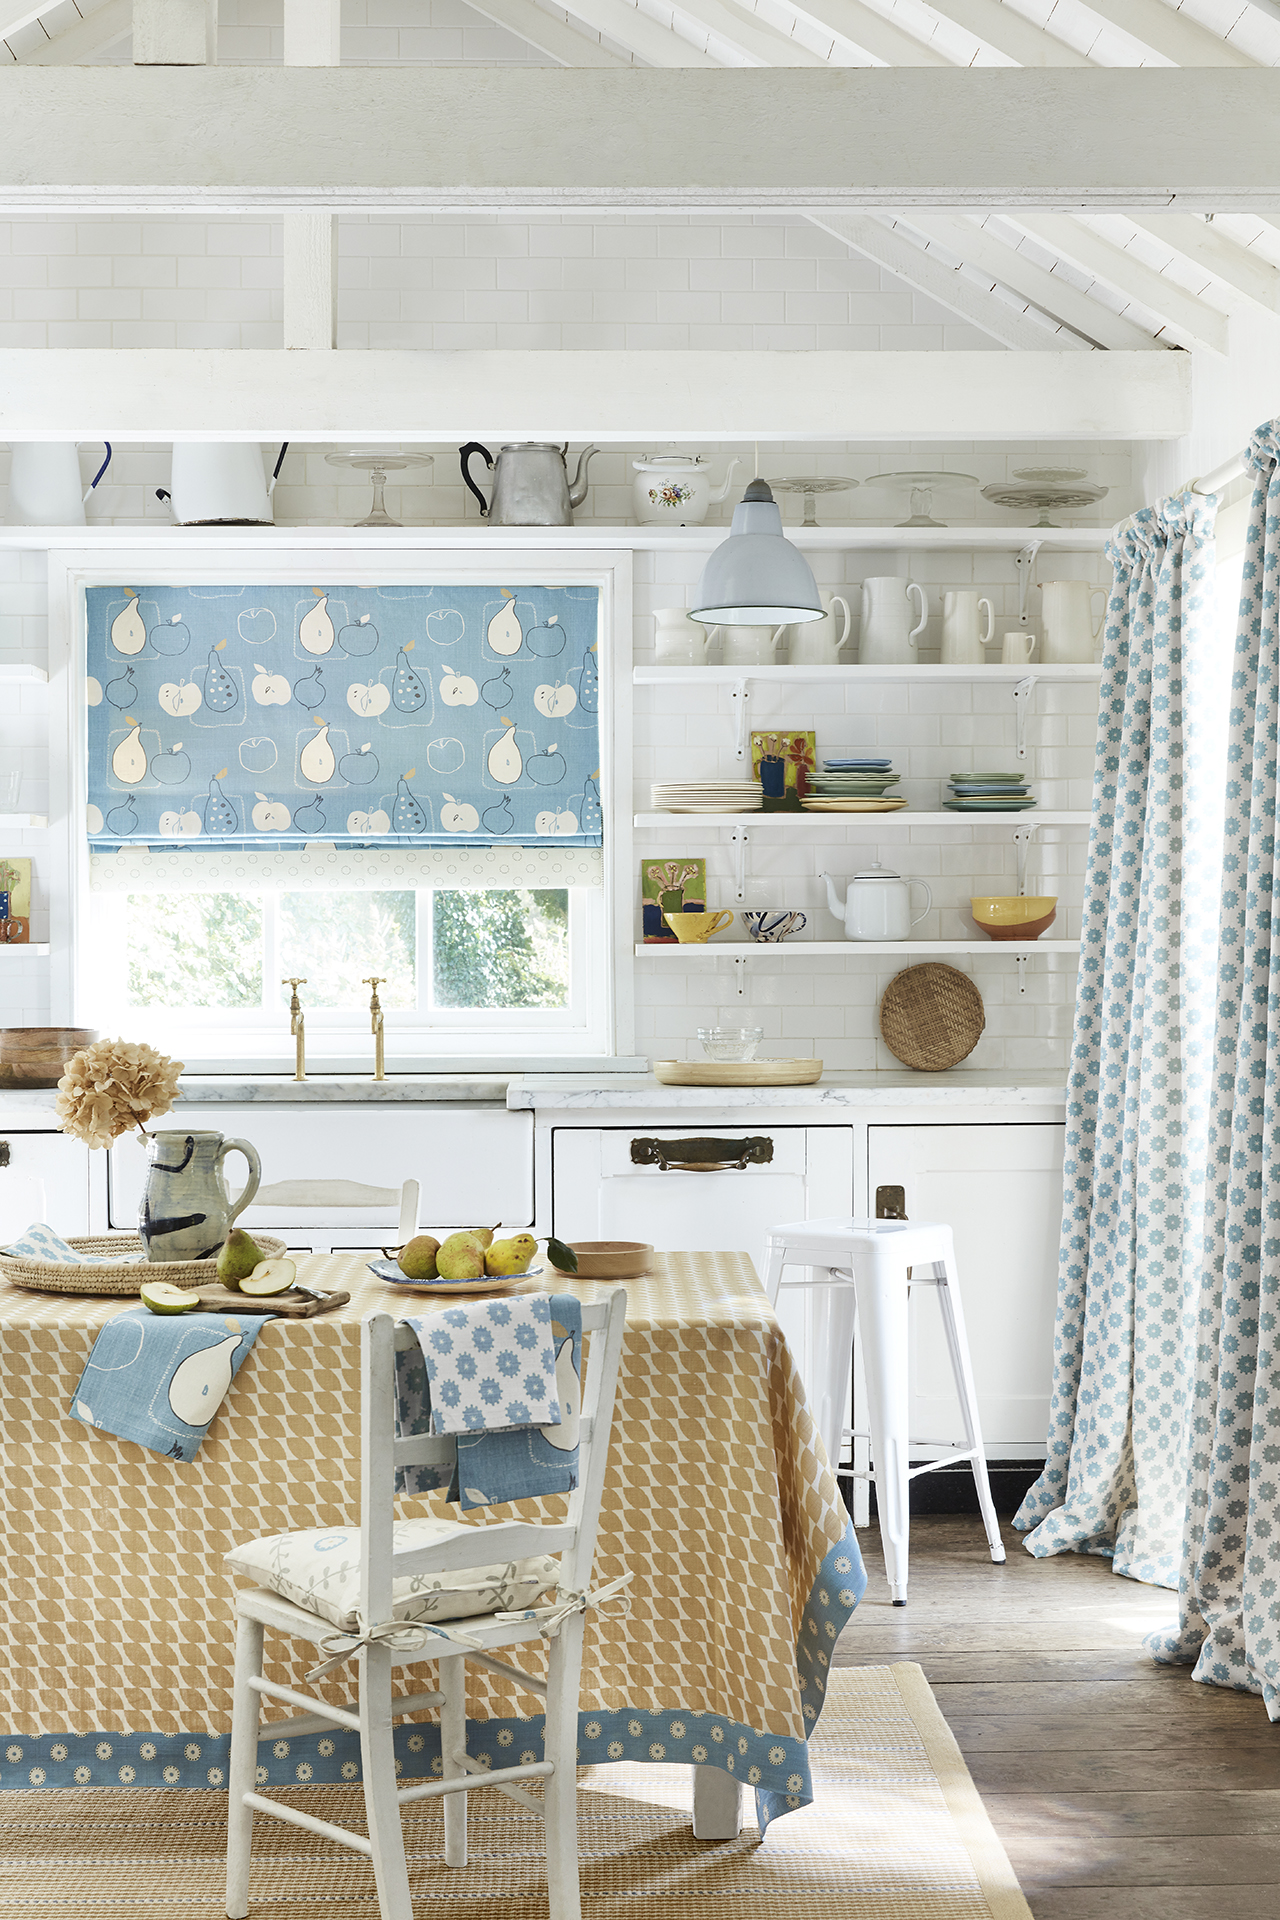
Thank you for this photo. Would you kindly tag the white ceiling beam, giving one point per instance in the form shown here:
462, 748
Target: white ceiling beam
927, 274
1046, 290
244, 139
175, 33
863, 27
1176, 35
1245, 272
753, 36
1010, 33
640, 34
619, 399
80, 42
1087, 250
312, 33
556, 38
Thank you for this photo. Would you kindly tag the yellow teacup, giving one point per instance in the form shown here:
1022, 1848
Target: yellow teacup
697, 927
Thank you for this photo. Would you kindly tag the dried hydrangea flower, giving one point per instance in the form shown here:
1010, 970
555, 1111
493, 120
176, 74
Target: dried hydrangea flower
112, 1086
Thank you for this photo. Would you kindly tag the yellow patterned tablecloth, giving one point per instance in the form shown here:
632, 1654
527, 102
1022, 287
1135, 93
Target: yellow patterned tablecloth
719, 1500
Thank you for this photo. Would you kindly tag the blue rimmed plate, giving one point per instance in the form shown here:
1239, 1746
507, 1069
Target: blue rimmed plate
389, 1271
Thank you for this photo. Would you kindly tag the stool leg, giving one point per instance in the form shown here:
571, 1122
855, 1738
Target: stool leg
958, 1342
881, 1283
775, 1261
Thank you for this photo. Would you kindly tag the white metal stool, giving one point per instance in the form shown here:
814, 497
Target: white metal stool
868, 1267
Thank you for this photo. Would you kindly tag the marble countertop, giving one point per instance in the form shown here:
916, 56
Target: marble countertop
973, 1088
344, 1089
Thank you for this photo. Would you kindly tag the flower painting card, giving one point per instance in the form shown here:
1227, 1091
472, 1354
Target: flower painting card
670, 886
795, 750
15, 901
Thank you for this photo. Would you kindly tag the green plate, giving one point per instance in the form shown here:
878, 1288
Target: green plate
987, 806
987, 779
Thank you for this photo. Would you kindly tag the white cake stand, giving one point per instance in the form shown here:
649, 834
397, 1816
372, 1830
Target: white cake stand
811, 485
378, 462
923, 484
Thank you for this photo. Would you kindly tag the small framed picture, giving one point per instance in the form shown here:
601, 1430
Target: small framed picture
670, 886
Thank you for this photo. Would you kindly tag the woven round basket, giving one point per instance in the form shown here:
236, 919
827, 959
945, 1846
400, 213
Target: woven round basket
46, 1277
931, 1017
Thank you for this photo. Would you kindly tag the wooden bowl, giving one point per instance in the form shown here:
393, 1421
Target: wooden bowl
610, 1259
1009, 917
35, 1057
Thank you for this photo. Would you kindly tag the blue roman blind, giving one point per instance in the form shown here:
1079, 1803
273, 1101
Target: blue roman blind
393, 716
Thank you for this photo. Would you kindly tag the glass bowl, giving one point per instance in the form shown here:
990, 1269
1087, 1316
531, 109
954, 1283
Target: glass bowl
730, 1043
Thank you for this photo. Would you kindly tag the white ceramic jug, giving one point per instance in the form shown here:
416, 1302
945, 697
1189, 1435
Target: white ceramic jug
747, 646
815, 642
962, 642
678, 641
888, 639
220, 484
1017, 646
45, 488
877, 905
1069, 629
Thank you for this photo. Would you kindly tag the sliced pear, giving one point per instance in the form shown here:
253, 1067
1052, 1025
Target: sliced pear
163, 1298
270, 1276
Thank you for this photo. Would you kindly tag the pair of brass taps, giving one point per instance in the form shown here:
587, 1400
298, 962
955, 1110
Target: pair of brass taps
297, 1025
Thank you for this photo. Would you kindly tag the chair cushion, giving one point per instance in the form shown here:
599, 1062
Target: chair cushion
319, 1569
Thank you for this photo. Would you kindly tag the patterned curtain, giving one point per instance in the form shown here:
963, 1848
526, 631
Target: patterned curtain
1229, 1589
1137, 1095
402, 716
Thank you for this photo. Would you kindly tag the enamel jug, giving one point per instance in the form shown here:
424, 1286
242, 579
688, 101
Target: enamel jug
877, 905
815, 643
1069, 627
220, 484
888, 639
45, 488
186, 1211
531, 484
675, 490
678, 641
747, 646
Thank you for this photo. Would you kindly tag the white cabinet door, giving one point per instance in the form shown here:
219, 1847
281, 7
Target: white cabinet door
999, 1188
475, 1166
43, 1176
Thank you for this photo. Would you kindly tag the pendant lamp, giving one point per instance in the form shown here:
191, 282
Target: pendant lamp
756, 576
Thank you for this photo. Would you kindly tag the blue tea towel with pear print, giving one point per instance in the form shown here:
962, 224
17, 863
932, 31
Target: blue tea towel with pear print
510, 1362
159, 1379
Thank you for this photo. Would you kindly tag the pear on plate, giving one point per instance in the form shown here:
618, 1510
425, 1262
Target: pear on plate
238, 1257
163, 1298
506, 1257
484, 1235
461, 1257
417, 1258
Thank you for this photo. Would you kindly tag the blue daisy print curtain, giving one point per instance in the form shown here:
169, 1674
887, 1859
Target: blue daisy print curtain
1137, 1093
253, 716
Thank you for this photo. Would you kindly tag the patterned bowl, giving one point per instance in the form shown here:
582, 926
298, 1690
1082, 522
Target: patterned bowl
1009, 917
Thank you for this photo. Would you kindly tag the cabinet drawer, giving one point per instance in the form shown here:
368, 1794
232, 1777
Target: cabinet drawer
43, 1176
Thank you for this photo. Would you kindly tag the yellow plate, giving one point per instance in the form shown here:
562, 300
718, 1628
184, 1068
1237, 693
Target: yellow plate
821, 803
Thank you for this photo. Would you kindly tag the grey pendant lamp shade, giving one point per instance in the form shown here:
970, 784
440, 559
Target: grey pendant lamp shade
756, 575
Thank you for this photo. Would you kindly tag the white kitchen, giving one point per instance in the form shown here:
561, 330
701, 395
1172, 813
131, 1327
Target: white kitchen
586, 576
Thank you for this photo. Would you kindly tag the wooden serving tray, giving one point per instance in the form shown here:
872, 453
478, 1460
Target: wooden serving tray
737, 1073
302, 1304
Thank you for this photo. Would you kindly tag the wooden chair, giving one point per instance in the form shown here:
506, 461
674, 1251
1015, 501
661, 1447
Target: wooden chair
377, 1655
323, 1198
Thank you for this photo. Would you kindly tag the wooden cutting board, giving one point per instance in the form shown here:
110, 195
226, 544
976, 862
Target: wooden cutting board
737, 1073
299, 1305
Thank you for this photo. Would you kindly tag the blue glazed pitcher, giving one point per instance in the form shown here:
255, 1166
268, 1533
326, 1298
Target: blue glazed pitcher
186, 1211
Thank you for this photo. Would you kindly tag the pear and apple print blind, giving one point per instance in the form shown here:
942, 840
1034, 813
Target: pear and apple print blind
273, 715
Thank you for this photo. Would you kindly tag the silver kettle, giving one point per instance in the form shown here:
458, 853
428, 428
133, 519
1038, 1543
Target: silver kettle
531, 484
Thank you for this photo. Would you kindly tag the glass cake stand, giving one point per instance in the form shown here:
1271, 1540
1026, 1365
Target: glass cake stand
378, 462
922, 485
811, 485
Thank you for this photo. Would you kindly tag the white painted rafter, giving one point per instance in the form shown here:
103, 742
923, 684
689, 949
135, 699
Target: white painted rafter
861, 26
81, 40
1072, 240
562, 40
1244, 272
1010, 33
654, 43
1176, 35
748, 33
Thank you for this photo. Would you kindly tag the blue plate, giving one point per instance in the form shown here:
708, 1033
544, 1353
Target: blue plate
389, 1270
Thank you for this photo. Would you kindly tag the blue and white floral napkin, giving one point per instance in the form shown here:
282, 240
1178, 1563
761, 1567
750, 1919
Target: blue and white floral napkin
43, 1244
159, 1379
491, 1364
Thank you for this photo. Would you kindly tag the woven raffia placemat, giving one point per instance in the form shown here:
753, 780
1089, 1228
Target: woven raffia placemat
896, 1831
48, 1277
931, 1017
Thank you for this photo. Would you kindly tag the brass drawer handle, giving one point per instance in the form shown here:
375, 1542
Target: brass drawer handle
702, 1154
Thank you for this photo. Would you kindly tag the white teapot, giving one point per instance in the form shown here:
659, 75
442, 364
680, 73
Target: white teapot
877, 904
674, 489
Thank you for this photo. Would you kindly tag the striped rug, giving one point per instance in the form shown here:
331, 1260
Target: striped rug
896, 1832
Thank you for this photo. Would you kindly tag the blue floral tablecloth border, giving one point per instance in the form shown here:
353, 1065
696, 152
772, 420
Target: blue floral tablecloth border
776, 1766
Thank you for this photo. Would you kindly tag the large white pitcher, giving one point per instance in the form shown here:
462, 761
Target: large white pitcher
747, 646
962, 642
45, 488
888, 639
1069, 629
678, 641
815, 643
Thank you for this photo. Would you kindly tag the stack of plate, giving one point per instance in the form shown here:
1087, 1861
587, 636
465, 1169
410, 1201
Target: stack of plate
853, 785
988, 793
708, 796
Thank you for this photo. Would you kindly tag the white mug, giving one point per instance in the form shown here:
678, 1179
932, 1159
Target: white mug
887, 638
1017, 647
814, 643
962, 643
678, 641
747, 646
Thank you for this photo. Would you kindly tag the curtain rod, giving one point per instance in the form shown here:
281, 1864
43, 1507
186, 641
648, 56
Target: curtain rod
1221, 476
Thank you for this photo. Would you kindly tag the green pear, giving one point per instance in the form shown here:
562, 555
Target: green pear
417, 1258
238, 1258
510, 1256
484, 1235
270, 1277
162, 1298
460, 1258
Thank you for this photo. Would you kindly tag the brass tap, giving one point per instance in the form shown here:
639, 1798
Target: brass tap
297, 1025
375, 1024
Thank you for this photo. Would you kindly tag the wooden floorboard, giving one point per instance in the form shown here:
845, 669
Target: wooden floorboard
1120, 1788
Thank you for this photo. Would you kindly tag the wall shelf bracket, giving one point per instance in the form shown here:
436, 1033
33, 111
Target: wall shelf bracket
1022, 839
741, 841
739, 961
1020, 962
1024, 694
739, 694
1025, 562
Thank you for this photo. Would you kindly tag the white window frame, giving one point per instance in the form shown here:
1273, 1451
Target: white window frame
601, 920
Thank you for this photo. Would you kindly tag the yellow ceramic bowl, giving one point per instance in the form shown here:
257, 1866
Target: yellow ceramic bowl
1009, 917
697, 927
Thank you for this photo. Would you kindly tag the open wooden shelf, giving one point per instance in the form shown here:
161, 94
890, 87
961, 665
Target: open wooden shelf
24, 819
22, 671
26, 946
894, 822
846, 949
592, 536
834, 676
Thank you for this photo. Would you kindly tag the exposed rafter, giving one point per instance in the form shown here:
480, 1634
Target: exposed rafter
1073, 241
863, 27
83, 39
1176, 35
1250, 276
750, 33
639, 33
558, 39
1010, 33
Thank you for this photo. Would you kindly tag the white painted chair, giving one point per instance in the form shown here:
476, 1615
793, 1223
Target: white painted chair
865, 1269
377, 1656
327, 1197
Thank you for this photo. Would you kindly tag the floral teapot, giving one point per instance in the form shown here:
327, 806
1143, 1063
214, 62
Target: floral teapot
674, 489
